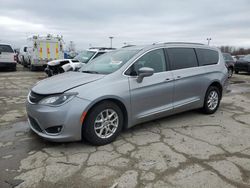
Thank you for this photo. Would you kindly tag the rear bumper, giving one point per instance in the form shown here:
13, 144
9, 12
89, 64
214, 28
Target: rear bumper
8, 64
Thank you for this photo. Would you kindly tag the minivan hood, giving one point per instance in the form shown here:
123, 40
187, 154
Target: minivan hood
63, 82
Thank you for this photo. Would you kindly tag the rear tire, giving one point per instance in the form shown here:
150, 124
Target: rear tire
103, 123
230, 72
212, 100
23, 62
236, 72
32, 68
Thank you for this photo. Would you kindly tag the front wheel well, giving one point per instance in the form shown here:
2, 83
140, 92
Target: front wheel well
119, 104
218, 85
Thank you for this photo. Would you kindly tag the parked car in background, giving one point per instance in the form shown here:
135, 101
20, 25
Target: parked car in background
229, 63
91, 53
62, 65
42, 49
17, 51
234, 58
239, 57
22, 56
65, 65
243, 64
8, 58
124, 88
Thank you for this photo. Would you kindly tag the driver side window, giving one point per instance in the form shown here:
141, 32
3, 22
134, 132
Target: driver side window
154, 59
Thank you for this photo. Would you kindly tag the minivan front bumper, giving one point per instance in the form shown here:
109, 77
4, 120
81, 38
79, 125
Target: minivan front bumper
67, 116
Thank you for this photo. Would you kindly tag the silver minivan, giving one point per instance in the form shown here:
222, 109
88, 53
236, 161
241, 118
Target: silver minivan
126, 87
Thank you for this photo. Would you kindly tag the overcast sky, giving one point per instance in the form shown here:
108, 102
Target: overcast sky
87, 22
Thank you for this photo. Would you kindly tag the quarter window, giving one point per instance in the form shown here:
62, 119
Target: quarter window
153, 59
181, 58
207, 57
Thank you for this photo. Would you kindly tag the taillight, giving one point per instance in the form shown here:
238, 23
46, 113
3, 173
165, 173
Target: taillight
15, 57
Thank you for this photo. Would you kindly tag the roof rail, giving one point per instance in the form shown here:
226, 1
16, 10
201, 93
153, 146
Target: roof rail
184, 43
102, 48
130, 45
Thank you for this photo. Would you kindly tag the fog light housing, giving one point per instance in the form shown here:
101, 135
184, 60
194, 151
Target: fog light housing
54, 129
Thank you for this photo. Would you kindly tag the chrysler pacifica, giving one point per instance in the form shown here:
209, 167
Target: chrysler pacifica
126, 87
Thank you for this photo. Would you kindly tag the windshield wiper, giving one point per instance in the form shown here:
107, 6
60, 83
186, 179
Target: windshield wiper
91, 72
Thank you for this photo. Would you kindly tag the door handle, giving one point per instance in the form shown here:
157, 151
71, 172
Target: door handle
168, 79
178, 77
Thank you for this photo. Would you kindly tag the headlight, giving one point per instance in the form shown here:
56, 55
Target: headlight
58, 99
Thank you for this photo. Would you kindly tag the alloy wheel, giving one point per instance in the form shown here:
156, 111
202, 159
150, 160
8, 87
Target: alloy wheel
212, 100
106, 123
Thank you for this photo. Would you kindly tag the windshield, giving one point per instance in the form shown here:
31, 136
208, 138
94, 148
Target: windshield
247, 58
109, 62
84, 56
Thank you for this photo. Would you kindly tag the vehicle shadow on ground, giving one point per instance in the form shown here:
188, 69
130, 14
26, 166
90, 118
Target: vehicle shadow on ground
6, 70
244, 73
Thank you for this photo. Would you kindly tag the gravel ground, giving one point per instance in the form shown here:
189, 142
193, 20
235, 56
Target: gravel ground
185, 150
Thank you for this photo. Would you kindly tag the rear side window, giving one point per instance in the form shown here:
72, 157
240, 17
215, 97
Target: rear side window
6, 48
181, 58
207, 57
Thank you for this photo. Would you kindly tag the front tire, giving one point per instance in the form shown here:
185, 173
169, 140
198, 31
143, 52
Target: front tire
103, 123
212, 100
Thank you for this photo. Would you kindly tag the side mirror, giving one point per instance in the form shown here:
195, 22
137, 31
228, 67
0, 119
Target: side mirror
144, 72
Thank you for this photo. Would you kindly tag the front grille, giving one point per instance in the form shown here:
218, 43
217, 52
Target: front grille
35, 98
34, 124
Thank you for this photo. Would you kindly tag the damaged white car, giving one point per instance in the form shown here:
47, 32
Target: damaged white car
64, 65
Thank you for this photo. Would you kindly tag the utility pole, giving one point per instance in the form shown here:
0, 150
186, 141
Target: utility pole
111, 38
208, 41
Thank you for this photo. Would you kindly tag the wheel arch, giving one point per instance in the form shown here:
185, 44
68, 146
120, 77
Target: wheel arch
118, 102
218, 85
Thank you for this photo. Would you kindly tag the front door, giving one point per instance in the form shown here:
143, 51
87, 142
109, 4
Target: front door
152, 97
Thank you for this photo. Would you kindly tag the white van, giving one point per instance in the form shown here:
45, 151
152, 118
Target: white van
22, 56
7, 57
42, 49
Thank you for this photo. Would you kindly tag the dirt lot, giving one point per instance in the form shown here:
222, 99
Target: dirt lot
186, 150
